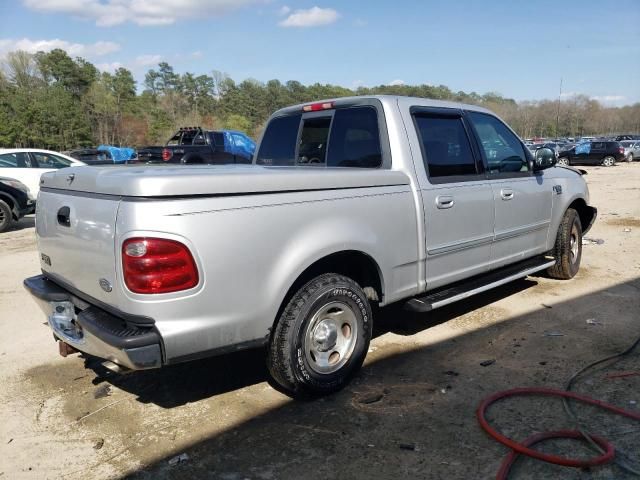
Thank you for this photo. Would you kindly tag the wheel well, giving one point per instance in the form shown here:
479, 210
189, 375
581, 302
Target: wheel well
10, 202
585, 212
192, 159
356, 265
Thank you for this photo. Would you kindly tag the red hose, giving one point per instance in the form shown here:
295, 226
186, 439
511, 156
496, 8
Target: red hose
523, 447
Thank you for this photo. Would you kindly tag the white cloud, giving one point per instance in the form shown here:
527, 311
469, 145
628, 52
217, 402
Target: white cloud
359, 22
610, 98
395, 83
87, 50
109, 67
197, 54
107, 13
147, 60
313, 17
284, 10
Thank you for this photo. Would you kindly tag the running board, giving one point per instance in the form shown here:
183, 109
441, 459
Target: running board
479, 283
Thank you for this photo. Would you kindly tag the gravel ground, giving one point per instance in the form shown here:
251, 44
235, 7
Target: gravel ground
409, 414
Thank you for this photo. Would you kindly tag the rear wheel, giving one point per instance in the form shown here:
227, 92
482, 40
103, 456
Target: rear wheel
568, 248
321, 337
629, 158
608, 161
563, 161
6, 216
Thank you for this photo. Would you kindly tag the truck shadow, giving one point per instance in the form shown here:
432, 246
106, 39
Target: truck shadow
411, 412
189, 382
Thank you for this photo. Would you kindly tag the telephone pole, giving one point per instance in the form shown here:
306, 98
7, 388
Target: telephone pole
558, 110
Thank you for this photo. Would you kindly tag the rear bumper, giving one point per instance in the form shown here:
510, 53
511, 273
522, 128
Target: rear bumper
94, 331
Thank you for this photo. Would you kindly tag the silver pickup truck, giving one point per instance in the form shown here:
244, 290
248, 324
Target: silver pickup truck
349, 204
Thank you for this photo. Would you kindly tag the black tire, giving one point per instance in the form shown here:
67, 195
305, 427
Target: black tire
568, 248
291, 360
6, 216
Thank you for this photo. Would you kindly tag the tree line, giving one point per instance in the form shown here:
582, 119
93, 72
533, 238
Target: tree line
50, 100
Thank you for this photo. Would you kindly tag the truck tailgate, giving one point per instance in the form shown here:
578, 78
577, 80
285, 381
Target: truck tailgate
76, 240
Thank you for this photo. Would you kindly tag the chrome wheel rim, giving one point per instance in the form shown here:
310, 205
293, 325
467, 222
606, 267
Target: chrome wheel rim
574, 242
330, 337
608, 161
562, 161
3, 217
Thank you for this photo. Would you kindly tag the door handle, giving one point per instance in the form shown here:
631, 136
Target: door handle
506, 194
444, 201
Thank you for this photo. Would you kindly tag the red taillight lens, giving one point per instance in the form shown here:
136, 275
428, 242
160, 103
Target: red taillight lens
620, 150
315, 107
166, 154
157, 265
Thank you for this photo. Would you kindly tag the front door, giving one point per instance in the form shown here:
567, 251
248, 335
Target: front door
522, 199
457, 199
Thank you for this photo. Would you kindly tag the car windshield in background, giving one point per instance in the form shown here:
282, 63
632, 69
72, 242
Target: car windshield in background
346, 137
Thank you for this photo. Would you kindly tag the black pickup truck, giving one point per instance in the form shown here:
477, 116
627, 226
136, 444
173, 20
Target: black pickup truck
194, 145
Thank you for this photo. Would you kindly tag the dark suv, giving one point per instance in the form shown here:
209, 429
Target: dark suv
605, 153
15, 202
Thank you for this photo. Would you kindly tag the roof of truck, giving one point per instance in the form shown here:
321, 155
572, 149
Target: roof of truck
388, 99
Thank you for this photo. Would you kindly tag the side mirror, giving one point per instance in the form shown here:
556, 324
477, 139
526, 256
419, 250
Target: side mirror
544, 158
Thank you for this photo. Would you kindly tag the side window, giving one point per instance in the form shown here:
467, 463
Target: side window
15, 160
598, 146
46, 160
446, 147
502, 149
278, 146
355, 139
175, 140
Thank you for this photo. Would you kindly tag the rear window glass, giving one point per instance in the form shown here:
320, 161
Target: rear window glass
346, 137
313, 141
278, 146
355, 139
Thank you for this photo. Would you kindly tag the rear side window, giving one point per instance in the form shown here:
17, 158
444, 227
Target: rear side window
502, 149
15, 160
598, 145
446, 147
278, 146
355, 139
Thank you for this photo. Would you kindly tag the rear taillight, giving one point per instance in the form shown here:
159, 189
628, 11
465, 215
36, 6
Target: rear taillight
620, 150
166, 154
157, 265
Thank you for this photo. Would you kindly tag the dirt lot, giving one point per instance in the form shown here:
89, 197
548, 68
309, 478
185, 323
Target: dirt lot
409, 413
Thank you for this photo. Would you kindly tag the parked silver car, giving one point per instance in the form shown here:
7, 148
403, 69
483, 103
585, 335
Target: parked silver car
631, 149
350, 203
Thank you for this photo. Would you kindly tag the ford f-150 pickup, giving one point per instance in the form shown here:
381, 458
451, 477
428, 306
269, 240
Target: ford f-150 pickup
349, 204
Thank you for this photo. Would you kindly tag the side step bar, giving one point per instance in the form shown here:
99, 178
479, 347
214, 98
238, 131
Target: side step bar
480, 283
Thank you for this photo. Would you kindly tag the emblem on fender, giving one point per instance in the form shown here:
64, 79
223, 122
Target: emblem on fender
105, 285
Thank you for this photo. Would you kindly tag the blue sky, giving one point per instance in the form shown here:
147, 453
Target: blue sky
519, 49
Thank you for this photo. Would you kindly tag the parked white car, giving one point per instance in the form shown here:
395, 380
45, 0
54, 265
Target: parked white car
28, 164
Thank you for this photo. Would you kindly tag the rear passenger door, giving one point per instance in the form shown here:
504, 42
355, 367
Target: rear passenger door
522, 200
457, 199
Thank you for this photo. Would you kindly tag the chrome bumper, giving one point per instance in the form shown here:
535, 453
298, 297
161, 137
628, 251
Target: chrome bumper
91, 330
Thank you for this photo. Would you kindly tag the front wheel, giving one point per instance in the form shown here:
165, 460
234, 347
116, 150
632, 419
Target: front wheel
629, 158
321, 337
568, 248
608, 161
563, 161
